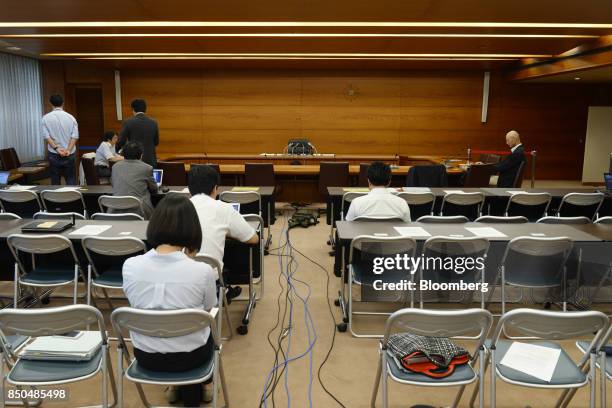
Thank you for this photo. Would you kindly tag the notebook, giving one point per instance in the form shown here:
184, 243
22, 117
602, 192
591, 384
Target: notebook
75, 346
47, 226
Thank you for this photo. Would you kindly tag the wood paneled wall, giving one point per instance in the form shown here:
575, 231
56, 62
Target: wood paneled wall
414, 112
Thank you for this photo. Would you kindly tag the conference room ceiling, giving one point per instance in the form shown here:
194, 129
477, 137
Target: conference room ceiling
306, 34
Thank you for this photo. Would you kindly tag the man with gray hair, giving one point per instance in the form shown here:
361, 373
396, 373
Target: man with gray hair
511, 165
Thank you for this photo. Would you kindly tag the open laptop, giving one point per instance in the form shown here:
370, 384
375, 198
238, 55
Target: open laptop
158, 175
236, 206
608, 180
4, 178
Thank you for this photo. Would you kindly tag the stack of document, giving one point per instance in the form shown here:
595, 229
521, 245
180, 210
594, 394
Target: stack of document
77, 346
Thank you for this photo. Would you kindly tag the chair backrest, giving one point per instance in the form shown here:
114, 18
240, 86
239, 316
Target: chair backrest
333, 174
9, 216
23, 203
58, 216
467, 204
259, 174
467, 323
250, 201
518, 179
214, 263
564, 220
452, 248
120, 204
89, 169
536, 261
371, 246
98, 250
479, 175
490, 158
8, 159
63, 201
363, 174
443, 219
174, 173
347, 199
163, 323
494, 219
533, 206
117, 217
551, 325
427, 176
604, 220
420, 204
580, 204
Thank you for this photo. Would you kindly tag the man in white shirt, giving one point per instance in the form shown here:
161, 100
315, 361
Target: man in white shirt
380, 202
217, 218
105, 154
61, 131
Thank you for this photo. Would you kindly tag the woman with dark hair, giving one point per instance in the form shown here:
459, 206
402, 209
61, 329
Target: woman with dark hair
168, 278
106, 154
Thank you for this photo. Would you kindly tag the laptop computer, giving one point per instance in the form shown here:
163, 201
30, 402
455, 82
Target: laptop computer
4, 178
608, 180
158, 175
236, 206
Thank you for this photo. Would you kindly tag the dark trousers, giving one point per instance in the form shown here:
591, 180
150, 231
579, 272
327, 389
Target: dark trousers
191, 394
59, 166
103, 171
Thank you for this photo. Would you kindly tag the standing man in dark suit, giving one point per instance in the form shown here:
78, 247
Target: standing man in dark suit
142, 129
511, 165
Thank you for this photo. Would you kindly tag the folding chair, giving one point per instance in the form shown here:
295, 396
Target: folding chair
543, 326
453, 248
166, 324
250, 203
24, 203
52, 372
443, 219
533, 206
563, 220
580, 205
14, 342
117, 217
603, 220
347, 199
105, 257
362, 252
63, 201
604, 365
466, 204
120, 204
494, 219
222, 302
6, 216
472, 324
58, 216
41, 276
420, 204
535, 263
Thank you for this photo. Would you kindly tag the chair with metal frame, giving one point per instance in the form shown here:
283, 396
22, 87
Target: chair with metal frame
166, 324
535, 263
362, 253
6, 216
494, 219
63, 201
239, 257
68, 216
347, 199
120, 204
222, 302
24, 203
43, 276
454, 248
533, 206
443, 219
603, 220
466, 204
15, 343
604, 363
471, 324
546, 327
563, 220
420, 204
105, 257
580, 205
51, 372
116, 217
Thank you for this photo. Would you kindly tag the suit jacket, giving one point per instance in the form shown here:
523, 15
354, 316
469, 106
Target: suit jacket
427, 176
144, 130
134, 178
509, 167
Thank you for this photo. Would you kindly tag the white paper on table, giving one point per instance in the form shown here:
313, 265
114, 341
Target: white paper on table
412, 232
91, 230
537, 234
417, 189
453, 191
532, 359
516, 192
19, 188
486, 232
62, 189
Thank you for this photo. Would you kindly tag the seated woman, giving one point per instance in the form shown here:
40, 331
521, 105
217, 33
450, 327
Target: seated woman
106, 154
167, 278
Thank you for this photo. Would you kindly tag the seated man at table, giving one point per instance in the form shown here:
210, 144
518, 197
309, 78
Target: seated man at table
510, 166
380, 202
133, 177
106, 154
217, 218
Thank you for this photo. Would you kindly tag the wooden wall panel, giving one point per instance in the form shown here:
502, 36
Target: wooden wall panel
412, 112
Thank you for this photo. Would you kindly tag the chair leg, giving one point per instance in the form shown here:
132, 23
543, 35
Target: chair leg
383, 379
111, 378
377, 380
215, 382
223, 384
493, 378
602, 379
16, 287
593, 376
480, 388
76, 284
104, 376
120, 376
227, 317
89, 284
